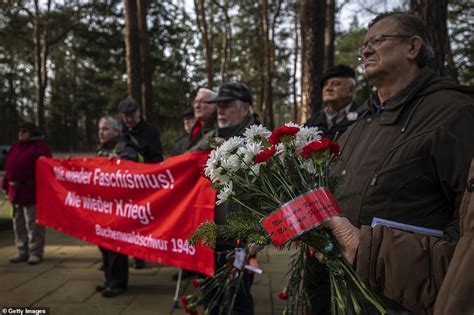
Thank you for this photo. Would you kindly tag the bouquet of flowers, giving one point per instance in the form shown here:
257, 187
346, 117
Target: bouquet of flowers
281, 181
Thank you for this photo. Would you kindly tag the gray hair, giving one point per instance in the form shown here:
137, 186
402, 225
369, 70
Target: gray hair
211, 93
411, 25
240, 103
113, 122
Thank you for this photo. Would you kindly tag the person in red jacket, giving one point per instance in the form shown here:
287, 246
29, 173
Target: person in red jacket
19, 183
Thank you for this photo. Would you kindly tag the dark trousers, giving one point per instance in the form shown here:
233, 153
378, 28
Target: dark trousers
115, 269
243, 304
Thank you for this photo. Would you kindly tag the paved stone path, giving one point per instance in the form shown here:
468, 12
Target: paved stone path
66, 279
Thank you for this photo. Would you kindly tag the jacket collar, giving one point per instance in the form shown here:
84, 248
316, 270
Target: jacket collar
393, 107
239, 129
137, 128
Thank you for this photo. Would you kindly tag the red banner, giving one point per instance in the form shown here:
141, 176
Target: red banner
300, 215
145, 210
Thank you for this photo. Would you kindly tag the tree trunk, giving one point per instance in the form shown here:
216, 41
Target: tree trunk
146, 69
41, 47
434, 14
132, 51
329, 34
225, 42
201, 18
295, 66
268, 119
312, 37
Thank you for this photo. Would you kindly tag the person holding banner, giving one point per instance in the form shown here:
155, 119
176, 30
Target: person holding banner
205, 121
144, 135
115, 265
19, 183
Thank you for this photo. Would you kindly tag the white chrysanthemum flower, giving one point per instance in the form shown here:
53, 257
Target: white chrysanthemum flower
231, 164
219, 176
292, 124
213, 162
231, 145
249, 152
245, 156
256, 133
225, 193
305, 136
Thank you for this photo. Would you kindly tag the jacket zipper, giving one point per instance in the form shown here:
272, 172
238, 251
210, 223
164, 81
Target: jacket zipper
374, 180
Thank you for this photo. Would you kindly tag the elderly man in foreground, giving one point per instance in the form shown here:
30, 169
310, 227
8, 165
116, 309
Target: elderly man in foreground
407, 159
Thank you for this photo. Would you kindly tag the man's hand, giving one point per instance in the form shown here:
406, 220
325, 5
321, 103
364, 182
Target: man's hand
254, 248
346, 235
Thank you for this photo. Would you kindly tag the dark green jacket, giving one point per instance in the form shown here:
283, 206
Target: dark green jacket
409, 164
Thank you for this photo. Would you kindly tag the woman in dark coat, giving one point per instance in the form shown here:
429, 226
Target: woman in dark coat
19, 183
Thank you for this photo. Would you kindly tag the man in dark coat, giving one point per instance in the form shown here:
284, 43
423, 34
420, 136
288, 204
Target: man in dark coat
115, 265
234, 115
407, 159
338, 85
144, 135
181, 144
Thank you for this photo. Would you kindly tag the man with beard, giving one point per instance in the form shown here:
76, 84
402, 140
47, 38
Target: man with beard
234, 115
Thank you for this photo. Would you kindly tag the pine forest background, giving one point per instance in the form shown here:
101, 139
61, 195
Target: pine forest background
65, 63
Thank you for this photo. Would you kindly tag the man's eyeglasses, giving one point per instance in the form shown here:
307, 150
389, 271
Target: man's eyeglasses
202, 103
374, 42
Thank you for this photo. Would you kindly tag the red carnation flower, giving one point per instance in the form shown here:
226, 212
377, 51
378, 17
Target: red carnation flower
196, 283
185, 302
283, 131
319, 146
265, 155
334, 147
282, 295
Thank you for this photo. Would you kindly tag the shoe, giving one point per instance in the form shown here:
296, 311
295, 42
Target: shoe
112, 292
17, 258
139, 264
184, 274
34, 260
99, 288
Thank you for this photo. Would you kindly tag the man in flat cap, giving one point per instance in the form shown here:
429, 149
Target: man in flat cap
234, 115
338, 85
142, 134
182, 142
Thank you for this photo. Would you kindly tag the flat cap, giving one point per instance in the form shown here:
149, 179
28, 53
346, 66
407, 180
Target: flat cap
189, 112
232, 91
128, 105
341, 71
